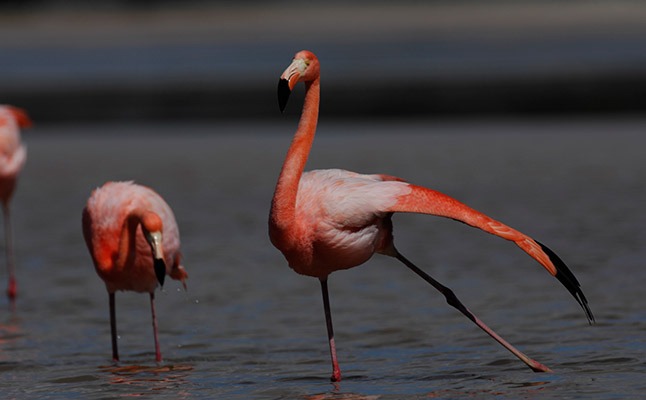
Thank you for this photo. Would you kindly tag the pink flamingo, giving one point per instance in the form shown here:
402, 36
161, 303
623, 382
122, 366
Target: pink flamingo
133, 239
328, 220
12, 158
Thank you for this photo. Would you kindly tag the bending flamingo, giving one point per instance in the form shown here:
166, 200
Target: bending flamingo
327, 220
133, 239
12, 158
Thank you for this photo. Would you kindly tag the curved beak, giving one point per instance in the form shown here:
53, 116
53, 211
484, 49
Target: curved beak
22, 119
288, 80
155, 241
283, 93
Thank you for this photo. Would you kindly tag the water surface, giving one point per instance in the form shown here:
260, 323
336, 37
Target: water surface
249, 327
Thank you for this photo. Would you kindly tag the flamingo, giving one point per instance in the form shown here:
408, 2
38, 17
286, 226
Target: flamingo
12, 158
133, 240
328, 220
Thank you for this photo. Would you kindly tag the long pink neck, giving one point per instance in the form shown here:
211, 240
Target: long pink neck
127, 240
283, 209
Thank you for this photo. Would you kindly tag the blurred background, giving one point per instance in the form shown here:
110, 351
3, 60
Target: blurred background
79, 61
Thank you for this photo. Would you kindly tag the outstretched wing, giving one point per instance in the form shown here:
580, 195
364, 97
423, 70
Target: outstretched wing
427, 201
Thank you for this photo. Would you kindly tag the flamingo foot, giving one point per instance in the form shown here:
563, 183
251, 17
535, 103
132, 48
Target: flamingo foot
538, 367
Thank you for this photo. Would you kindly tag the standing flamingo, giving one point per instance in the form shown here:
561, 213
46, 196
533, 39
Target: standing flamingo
327, 220
133, 239
12, 158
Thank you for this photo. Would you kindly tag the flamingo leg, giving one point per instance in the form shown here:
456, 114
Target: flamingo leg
453, 301
113, 329
158, 356
336, 371
12, 287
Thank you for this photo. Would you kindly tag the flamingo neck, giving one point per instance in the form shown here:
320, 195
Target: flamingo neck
127, 240
284, 202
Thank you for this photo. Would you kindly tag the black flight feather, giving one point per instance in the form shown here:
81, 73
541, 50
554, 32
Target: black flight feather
567, 278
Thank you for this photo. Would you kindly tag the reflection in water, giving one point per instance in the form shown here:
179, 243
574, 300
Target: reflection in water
150, 379
341, 396
10, 331
527, 389
455, 393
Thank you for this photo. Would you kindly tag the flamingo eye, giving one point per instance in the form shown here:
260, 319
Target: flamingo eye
302, 65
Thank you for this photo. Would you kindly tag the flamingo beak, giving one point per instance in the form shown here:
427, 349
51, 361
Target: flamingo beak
155, 241
160, 270
283, 93
288, 80
22, 119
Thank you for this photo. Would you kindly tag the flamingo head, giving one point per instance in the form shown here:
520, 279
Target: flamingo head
304, 68
18, 114
152, 228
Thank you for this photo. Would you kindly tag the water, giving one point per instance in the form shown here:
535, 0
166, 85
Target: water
249, 327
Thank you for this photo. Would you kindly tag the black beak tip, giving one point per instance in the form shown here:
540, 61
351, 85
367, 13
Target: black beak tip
160, 270
283, 93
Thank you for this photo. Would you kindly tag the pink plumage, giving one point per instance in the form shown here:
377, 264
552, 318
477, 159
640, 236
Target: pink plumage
133, 239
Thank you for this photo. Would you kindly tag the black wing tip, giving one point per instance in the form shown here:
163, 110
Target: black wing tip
160, 270
283, 93
567, 279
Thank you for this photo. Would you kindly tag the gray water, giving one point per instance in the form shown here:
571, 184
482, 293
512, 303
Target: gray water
249, 327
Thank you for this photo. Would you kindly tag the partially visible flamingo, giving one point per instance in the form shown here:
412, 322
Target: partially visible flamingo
327, 220
133, 239
12, 158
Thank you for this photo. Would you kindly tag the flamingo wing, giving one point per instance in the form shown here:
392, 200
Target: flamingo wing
11, 164
346, 199
427, 201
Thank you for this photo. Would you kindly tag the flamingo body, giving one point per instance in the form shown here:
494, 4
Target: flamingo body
13, 155
328, 220
105, 215
339, 220
133, 239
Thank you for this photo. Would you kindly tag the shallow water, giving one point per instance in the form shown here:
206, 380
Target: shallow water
249, 327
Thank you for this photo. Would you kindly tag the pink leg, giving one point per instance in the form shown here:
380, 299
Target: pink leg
12, 287
336, 371
113, 328
158, 356
455, 302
